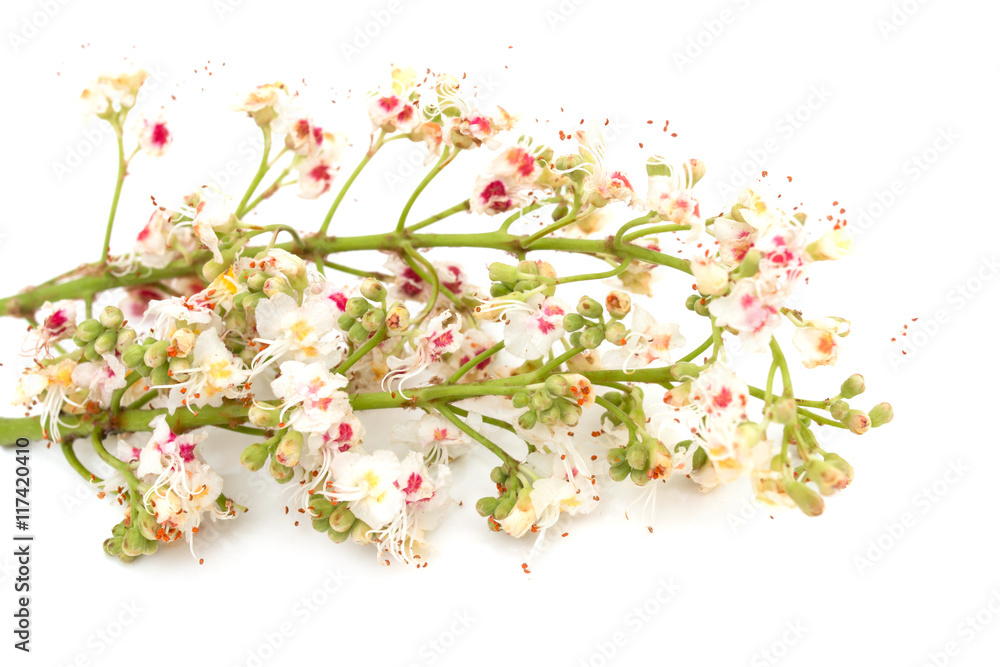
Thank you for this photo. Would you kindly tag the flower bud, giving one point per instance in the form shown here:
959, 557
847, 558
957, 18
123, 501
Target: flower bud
338, 537
133, 543
617, 455
837, 461
614, 333
656, 166
282, 474
133, 355
105, 342
620, 471
498, 290
156, 354
356, 307
570, 413
360, 532
504, 273
397, 320
345, 322
835, 244
372, 290
527, 420
880, 414
678, 396
342, 518
254, 456
592, 337
748, 434
639, 477
810, 502
111, 318
589, 307
838, 409
618, 304
126, 337
289, 449
520, 400
373, 319
637, 456
278, 284
828, 478
573, 322
485, 506
853, 386
710, 276
90, 353
749, 266
147, 525
784, 410
256, 280
691, 301
160, 376
358, 333
857, 420
695, 171
89, 330
498, 476
699, 458
112, 546
684, 370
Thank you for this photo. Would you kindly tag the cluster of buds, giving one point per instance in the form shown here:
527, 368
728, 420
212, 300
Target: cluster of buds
243, 327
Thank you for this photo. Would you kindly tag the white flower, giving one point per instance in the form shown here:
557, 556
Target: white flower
154, 137
648, 341
720, 394
835, 244
313, 395
532, 326
101, 378
429, 346
161, 242
317, 171
436, 437
817, 342
215, 373
112, 93
175, 313
300, 333
367, 482
56, 381
751, 315
57, 321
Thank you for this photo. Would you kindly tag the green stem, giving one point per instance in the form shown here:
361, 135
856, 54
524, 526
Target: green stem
261, 170
618, 270
368, 346
457, 208
446, 157
376, 144
122, 170
475, 361
478, 437
701, 348
567, 219
655, 229
75, 464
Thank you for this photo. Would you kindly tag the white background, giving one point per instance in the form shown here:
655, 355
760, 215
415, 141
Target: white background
887, 107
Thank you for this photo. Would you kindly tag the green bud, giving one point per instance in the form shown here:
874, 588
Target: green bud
520, 400
549, 416
504, 508
592, 337
589, 307
620, 471
345, 322
356, 307
569, 413
880, 414
119, 530
256, 280
749, 266
498, 290
254, 456
359, 532
573, 322
320, 507
89, 330
279, 284
614, 333
112, 546
486, 506
699, 458
656, 166
637, 456
358, 333
341, 519
560, 212
112, 318
527, 266
147, 525
504, 273
160, 376
639, 477
289, 449
574, 338
498, 476
853, 386
557, 385
857, 420
527, 420
372, 290
338, 538
837, 461
126, 338
541, 400
282, 474
838, 409
691, 301
617, 455
828, 477
134, 542
156, 354
90, 353
321, 525
373, 319
106, 342
701, 307
810, 502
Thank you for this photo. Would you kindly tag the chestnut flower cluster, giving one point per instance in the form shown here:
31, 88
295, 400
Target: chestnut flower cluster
213, 324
